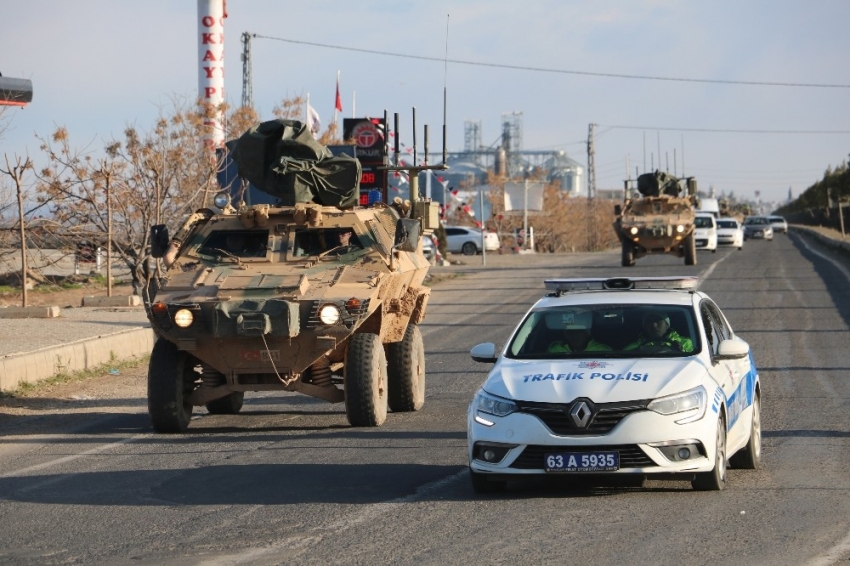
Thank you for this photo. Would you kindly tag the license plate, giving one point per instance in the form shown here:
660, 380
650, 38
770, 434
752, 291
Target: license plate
572, 462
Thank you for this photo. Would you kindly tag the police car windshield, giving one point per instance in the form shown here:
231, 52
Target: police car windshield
602, 331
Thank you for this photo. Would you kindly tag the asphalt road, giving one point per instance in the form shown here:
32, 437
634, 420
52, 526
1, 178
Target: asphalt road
289, 482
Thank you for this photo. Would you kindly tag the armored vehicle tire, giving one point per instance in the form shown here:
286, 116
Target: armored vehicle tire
228, 405
365, 381
170, 381
628, 254
469, 249
690, 245
406, 371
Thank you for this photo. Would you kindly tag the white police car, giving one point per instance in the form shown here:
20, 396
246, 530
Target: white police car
622, 376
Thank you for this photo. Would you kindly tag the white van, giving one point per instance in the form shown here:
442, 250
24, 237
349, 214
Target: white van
705, 231
709, 206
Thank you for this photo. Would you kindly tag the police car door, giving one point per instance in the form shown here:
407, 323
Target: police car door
730, 374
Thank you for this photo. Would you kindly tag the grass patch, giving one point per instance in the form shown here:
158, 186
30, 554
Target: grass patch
63, 378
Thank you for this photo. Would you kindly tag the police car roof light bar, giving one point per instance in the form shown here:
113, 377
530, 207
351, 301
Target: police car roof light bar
683, 283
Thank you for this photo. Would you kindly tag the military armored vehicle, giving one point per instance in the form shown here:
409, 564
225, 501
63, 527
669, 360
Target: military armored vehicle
315, 294
658, 218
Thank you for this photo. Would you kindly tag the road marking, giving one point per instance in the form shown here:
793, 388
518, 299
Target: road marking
73, 457
834, 555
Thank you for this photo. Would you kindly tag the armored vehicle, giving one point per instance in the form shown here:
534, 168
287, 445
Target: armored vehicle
658, 218
314, 295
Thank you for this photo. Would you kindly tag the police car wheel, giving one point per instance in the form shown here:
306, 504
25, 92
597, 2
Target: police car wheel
170, 382
749, 457
715, 480
482, 483
365, 380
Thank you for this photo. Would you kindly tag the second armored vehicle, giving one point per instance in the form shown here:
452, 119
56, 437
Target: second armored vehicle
301, 296
658, 220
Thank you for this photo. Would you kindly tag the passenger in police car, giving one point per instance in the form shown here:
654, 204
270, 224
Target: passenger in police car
576, 335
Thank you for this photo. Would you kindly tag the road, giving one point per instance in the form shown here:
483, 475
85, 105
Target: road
289, 482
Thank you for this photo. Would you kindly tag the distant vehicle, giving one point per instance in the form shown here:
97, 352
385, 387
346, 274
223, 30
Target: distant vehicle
430, 249
730, 233
460, 239
758, 228
658, 219
779, 224
709, 206
705, 232
633, 377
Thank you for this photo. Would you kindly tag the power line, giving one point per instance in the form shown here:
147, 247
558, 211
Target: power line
556, 71
729, 131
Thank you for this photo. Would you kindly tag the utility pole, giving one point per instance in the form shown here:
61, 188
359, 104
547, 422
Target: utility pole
591, 187
247, 79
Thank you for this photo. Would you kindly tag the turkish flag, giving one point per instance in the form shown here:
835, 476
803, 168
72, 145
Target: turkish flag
338, 105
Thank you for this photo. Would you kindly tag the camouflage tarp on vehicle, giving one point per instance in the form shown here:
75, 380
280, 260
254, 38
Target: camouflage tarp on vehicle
281, 158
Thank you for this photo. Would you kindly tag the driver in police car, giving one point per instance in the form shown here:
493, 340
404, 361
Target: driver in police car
657, 333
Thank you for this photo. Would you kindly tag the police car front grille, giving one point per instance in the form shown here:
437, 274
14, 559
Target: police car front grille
606, 416
631, 456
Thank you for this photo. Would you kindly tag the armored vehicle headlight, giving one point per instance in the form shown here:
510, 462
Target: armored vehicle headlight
329, 314
221, 200
184, 318
634, 230
680, 228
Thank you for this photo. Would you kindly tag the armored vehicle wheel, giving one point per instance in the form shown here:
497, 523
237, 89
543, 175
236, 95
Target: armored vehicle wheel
365, 381
406, 371
170, 381
469, 249
628, 254
690, 245
229, 405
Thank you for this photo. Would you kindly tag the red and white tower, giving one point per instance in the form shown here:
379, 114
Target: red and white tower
211, 14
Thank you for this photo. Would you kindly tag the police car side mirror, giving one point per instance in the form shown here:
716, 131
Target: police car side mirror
732, 349
159, 240
407, 234
484, 353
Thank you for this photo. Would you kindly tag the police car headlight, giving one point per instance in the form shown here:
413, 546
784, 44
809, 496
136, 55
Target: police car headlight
184, 318
493, 405
329, 314
692, 402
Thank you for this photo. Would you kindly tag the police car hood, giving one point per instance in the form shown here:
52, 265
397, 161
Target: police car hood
604, 380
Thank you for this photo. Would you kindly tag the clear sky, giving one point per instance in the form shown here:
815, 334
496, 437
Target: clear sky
99, 65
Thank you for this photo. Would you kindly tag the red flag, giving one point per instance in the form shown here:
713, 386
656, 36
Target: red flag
338, 99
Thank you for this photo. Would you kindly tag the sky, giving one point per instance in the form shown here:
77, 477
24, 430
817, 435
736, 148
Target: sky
561, 65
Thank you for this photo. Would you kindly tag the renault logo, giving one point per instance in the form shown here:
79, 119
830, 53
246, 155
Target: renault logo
580, 414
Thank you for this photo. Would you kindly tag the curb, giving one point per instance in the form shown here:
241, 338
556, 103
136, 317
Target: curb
32, 367
29, 312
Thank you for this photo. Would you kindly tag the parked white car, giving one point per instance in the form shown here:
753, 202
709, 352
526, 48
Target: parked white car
461, 239
730, 233
705, 232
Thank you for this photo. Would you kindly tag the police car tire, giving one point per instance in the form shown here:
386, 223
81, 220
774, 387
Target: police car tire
481, 483
170, 381
227, 405
406, 371
715, 480
690, 245
365, 381
749, 457
469, 248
